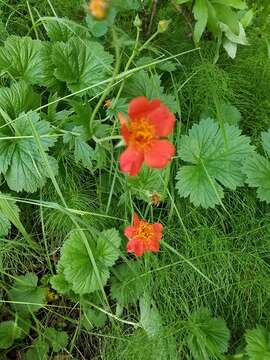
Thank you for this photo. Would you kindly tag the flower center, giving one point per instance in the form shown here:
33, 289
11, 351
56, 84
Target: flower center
145, 231
141, 132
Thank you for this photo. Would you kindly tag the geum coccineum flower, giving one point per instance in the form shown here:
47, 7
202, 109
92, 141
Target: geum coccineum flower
98, 8
148, 123
143, 237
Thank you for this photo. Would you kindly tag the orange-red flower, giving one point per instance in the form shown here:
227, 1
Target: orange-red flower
143, 132
98, 8
143, 237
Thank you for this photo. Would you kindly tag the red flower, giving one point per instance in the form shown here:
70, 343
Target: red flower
143, 237
148, 122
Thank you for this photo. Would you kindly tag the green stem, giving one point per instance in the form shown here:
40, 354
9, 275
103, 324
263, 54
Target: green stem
108, 88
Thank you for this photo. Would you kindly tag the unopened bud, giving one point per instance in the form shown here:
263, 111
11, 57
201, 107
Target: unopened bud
163, 25
137, 22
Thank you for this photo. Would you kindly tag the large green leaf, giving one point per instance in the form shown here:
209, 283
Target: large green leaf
216, 156
76, 262
81, 65
208, 337
26, 294
38, 351
18, 98
93, 318
62, 29
237, 4
258, 344
128, 283
20, 159
257, 170
9, 332
26, 59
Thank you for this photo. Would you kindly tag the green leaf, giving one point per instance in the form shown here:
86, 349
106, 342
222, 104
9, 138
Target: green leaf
128, 284
5, 225
26, 291
20, 159
247, 18
208, 337
148, 182
77, 266
93, 318
83, 153
143, 84
257, 170
258, 343
227, 16
237, 39
237, 4
29, 60
99, 28
150, 318
60, 284
9, 332
127, 5
38, 351
18, 98
200, 11
62, 29
216, 156
230, 48
57, 340
266, 141
81, 65
182, 1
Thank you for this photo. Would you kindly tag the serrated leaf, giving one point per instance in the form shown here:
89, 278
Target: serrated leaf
18, 98
57, 340
26, 291
216, 156
143, 84
150, 318
81, 65
20, 159
62, 29
75, 261
257, 170
9, 332
60, 284
200, 11
128, 285
83, 153
93, 318
208, 337
258, 343
38, 351
29, 60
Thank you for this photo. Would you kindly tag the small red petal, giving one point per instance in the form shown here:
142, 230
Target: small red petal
158, 228
159, 153
136, 220
130, 232
131, 161
135, 246
141, 106
153, 245
163, 120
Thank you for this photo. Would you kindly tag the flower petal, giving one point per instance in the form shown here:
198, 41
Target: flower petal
124, 128
136, 220
141, 106
130, 231
159, 153
153, 245
135, 246
131, 161
163, 120
158, 228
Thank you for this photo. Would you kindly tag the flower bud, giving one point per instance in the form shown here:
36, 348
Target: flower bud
137, 22
163, 25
